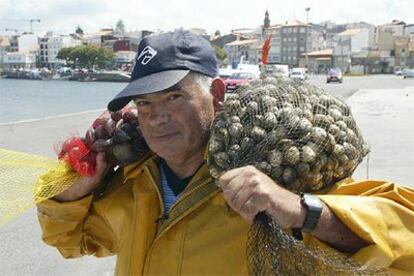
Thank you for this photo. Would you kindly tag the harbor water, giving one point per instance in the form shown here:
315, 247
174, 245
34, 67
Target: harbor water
32, 99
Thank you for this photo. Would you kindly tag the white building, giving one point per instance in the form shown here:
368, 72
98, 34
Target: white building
18, 61
4, 47
28, 43
51, 44
396, 27
349, 43
409, 30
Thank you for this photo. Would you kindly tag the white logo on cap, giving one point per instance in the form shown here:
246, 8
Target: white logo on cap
147, 54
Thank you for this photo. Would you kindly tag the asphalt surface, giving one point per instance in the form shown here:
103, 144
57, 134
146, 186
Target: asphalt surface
383, 106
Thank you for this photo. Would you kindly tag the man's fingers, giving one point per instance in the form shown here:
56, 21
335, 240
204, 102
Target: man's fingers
101, 164
236, 193
229, 175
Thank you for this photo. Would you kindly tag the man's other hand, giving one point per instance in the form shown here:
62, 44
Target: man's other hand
248, 191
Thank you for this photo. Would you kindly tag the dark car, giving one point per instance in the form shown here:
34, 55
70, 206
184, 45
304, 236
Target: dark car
238, 79
334, 75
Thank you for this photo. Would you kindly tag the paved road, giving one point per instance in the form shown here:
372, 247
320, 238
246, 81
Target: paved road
383, 106
351, 85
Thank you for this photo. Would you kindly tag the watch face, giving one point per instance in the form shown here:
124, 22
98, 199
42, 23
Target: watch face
312, 202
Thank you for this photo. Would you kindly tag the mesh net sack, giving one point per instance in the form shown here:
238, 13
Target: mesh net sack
19, 181
304, 139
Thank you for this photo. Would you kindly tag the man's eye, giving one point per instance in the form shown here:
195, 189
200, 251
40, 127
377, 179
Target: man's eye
174, 96
141, 103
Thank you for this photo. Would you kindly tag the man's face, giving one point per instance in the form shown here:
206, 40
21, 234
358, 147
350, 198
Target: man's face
175, 123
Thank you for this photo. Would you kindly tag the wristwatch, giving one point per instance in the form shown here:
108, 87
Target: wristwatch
313, 206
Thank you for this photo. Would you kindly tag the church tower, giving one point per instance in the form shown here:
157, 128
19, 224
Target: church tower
266, 23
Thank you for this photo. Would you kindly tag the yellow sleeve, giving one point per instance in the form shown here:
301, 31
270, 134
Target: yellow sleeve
84, 227
76, 228
381, 213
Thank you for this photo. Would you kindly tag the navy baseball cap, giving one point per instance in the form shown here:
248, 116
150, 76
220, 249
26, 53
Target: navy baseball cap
165, 59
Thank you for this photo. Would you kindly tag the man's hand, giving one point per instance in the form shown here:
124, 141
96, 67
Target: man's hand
86, 184
249, 191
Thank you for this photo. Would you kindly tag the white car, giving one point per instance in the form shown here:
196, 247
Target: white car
298, 75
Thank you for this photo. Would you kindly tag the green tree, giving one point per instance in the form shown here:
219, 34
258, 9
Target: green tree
79, 30
217, 33
86, 56
64, 53
221, 55
120, 27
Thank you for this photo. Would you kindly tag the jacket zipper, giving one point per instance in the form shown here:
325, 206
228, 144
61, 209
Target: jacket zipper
158, 194
182, 197
149, 253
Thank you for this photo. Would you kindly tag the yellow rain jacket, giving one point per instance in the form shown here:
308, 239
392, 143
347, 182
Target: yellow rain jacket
202, 235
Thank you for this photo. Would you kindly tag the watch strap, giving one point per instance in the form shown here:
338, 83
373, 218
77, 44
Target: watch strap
313, 206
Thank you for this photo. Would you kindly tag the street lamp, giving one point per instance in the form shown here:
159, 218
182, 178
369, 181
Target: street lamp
306, 39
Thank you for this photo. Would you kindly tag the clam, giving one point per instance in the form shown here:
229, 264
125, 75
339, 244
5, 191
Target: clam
222, 159
292, 155
236, 130
319, 135
258, 133
275, 157
308, 155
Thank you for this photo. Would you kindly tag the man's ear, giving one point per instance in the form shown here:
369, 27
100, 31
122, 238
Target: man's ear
218, 90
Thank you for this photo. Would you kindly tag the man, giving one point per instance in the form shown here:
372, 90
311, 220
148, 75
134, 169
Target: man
166, 215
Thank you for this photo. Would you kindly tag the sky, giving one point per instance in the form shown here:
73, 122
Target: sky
62, 16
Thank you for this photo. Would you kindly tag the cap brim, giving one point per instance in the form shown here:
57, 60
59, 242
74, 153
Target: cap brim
149, 84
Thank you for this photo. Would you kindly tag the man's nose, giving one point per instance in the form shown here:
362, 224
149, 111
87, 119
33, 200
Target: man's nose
159, 115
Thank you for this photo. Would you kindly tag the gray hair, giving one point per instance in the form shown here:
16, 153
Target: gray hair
203, 81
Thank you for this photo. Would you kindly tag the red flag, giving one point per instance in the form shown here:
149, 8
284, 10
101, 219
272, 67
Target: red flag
265, 50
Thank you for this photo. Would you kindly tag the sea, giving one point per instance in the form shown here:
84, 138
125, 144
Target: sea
22, 100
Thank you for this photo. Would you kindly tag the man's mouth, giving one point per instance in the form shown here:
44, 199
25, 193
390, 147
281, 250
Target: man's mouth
164, 137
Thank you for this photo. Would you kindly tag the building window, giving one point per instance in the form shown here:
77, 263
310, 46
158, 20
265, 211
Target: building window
294, 39
302, 30
302, 49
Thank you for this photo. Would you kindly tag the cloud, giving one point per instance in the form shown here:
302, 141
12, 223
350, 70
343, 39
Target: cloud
64, 15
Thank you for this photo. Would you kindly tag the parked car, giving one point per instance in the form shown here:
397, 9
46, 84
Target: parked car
225, 73
408, 73
238, 79
398, 73
298, 75
334, 75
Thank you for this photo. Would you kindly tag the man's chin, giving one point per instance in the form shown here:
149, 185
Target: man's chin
167, 152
